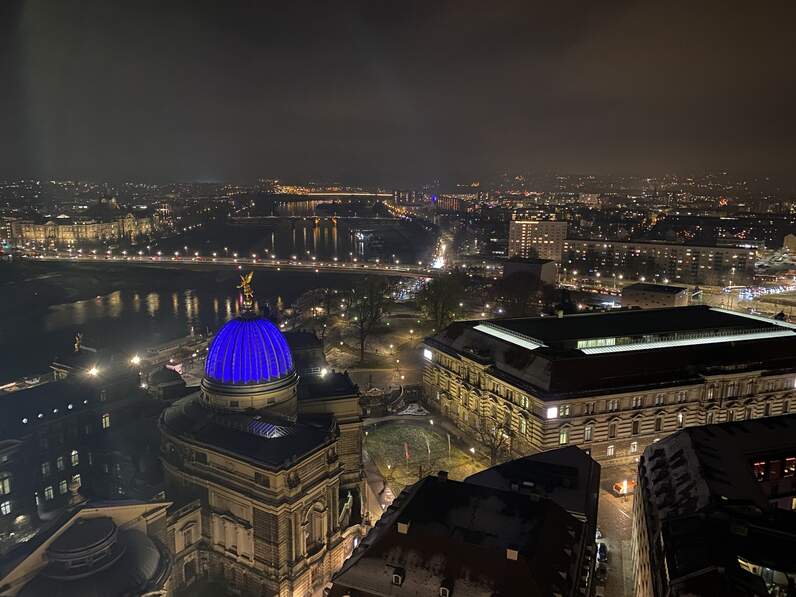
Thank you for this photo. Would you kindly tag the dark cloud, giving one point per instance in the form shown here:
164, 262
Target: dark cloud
395, 92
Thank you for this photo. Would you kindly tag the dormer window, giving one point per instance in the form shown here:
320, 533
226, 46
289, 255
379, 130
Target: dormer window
398, 577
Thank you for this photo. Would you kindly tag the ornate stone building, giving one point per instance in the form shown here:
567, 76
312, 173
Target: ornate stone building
610, 383
265, 470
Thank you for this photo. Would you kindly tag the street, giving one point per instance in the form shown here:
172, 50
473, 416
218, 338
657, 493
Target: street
615, 521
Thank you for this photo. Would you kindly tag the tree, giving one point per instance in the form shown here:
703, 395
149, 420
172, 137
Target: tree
368, 304
495, 437
439, 299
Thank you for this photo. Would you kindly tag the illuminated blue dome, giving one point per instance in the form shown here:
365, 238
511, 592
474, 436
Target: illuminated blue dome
248, 350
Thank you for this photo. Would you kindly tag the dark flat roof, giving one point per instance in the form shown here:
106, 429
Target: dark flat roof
552, 330
190, 419
659, 288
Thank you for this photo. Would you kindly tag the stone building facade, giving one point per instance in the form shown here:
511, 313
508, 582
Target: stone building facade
523, 385
265, 469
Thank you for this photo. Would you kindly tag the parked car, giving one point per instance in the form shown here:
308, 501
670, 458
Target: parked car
601, 573
602, 552
626, 487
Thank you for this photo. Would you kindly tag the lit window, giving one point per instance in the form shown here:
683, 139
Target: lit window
5, 508
62, 487
587, 431
106, 420
563, 436
552, 412
76, 479
633, 447
523, 426
680, 419
59, 463
564, 410
75, 458
427, 354
5, 485
612, 430
610, 450
45, 469
48, 492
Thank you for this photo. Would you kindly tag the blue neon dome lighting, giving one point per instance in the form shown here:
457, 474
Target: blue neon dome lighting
248, 350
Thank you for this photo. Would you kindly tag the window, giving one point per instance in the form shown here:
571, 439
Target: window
563, 436
62, 487
76, 479
638, 401
587, 431
636, 426
187, 537
234, 403
106, 420
552, 412
747, 412
200, 457
48, 492
732, 390
681, 396
612, 430
5, 508
59, 463
759, 470
730, 415
790, 467
709, 394
262, 479
75, 458
660, 399
588, 408
767, 409
709, 418
610, 450
658, 423
680, 420
5, 485
613, 404
785, 406
750, 388
564, 411
45, 469
633, 447
523, 425
524, 401
444, 592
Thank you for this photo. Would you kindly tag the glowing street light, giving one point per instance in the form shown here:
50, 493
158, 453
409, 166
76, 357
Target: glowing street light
136, 360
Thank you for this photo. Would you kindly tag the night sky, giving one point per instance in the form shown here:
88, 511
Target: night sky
393, 92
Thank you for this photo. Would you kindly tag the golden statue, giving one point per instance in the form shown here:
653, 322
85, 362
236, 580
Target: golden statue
246, 290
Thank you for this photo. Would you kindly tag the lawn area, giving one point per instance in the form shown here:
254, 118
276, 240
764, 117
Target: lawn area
428, 450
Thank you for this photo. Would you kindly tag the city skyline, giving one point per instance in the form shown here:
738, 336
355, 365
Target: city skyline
395, 96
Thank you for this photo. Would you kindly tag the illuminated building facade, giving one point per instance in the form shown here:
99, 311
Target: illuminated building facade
67, 231
537, 238
660, 261
265, 469
611, 383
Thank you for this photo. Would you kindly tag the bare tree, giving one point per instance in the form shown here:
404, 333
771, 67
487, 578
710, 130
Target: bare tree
440, 298
493, 435
368, 304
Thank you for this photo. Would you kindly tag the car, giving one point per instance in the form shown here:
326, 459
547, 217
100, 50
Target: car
601, 573
626, 487
602, 552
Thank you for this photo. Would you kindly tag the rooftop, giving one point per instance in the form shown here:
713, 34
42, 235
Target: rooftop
266, 441
473, 539
711, 511
656, 288
557, 356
